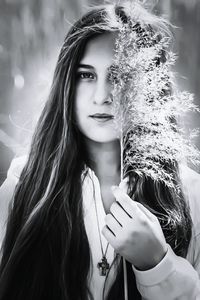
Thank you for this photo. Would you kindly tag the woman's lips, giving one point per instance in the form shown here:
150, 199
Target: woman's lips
102, 117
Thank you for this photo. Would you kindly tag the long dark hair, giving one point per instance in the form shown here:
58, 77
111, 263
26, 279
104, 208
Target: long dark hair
46, 253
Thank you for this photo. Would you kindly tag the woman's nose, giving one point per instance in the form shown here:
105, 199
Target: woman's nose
102, 93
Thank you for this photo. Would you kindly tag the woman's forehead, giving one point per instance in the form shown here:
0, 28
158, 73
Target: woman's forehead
99, 48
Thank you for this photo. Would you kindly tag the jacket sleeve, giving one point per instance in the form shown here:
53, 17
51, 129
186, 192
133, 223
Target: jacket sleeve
174, 278
177, 278
7, 190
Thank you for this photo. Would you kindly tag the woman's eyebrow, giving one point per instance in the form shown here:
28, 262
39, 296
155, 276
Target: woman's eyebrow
85, 66
112, 67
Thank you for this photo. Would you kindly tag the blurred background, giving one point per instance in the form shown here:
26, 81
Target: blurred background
31, 33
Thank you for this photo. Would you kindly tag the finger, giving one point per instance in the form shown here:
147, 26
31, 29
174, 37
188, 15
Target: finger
146, 211
129, 206
119, 214
126, 211
112, 223
108, 235
124, 185
115, 219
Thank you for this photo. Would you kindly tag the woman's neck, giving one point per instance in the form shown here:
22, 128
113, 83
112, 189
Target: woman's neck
104, 160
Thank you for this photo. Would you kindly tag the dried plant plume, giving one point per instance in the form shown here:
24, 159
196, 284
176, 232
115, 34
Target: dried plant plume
147, 104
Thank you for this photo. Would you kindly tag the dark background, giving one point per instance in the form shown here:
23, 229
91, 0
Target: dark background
31, 33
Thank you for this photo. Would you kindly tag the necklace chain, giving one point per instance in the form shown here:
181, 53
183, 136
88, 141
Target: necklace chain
103, 265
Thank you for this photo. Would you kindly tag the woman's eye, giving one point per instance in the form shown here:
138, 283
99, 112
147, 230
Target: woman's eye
85, 75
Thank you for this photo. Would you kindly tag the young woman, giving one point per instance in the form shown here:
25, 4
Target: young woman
66, 233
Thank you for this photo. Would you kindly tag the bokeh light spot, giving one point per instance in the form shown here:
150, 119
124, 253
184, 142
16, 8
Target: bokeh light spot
19, 81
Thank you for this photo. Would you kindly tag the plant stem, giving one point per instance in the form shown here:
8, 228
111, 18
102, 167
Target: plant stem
124, 261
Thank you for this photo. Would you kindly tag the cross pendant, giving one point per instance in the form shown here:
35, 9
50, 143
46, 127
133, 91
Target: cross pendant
103, 266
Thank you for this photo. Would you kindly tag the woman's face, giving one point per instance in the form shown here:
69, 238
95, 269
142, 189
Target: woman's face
93, 102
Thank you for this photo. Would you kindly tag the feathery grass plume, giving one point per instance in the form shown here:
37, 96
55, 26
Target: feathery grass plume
147, 104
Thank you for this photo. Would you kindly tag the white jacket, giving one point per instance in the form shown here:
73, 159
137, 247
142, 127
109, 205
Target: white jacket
174, 278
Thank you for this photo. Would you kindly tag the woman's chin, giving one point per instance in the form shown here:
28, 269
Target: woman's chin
104, 138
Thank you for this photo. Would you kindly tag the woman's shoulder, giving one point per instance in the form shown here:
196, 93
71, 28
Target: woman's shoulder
188, 175
191, 187
7, 190
190, 181
16, 167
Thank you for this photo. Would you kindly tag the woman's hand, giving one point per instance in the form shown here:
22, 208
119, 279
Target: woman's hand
134, 232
